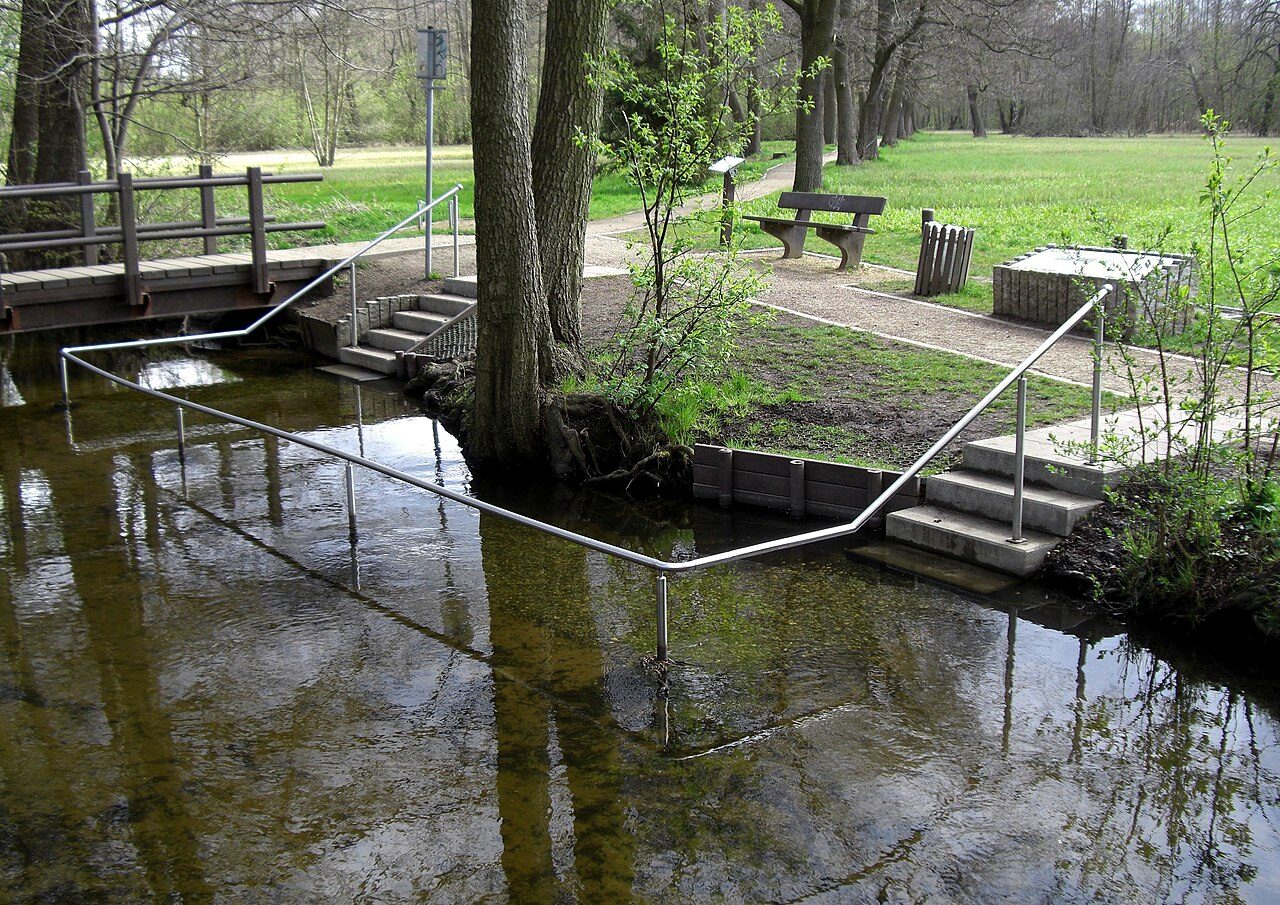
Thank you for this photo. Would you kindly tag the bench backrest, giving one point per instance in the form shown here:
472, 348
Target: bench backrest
837, 204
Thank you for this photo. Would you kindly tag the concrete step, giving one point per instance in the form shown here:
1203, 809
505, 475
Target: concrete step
933, 566
422, 322
1045, 465
379, 360
969, 537
1043, 508
463, 286
445, 303
393, 340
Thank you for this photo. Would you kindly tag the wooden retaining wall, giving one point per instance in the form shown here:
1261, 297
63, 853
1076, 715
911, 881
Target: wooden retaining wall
798, 486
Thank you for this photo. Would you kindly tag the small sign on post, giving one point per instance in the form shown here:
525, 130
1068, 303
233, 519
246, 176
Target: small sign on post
727, 166
433, 58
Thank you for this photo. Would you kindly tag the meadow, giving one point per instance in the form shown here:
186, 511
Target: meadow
368, 189
1021, 192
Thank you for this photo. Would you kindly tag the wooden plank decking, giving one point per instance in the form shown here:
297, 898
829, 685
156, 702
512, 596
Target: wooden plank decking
172, 287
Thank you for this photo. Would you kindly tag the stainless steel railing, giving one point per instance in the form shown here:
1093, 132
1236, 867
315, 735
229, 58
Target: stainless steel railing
69, 353
662, 568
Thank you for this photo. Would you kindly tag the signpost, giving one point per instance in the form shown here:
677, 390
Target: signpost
727, 166
433, 56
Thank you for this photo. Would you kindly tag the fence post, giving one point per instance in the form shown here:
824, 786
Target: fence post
797, 488
725, 463
88, 223
129, 240
258, 232
208, 213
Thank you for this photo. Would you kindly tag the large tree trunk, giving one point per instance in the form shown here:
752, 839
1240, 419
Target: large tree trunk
871, 114
829, 105
514, 329
893, 114
754, 107
25, 133
60, 153
846, 111
563, 166
817, 30
975, 112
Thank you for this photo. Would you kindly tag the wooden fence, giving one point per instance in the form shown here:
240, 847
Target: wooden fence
797, 486
945, 253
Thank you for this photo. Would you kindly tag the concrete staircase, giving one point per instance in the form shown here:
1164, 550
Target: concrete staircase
388, 326
968, 512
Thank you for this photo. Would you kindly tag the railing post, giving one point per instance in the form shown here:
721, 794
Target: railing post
1019, 462
351, 502
258, 232
453, 215
660, 593
797, 488
355, 326
1095, 411
208, 212
129, 240
182, 434
88, 221
66, 388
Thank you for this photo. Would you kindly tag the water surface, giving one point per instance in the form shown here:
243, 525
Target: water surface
208, 691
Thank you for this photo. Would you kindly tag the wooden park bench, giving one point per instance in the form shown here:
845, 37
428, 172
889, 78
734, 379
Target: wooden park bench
847, 238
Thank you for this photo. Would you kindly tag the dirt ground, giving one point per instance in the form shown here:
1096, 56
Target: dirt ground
863, 399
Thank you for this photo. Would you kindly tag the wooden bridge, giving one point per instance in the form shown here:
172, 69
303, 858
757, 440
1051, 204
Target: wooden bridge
91, 292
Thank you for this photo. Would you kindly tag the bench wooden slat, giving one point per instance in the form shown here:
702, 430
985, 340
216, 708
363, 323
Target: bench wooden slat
807, 224
836, 204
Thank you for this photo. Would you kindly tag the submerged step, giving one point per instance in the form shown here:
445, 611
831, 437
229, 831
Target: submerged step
933, 566
393, 340
371, 359
421, 322
991, 496
970, 537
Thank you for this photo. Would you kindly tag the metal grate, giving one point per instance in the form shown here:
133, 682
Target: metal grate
455, 339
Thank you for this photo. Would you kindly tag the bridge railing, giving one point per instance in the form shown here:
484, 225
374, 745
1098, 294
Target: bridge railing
129, 232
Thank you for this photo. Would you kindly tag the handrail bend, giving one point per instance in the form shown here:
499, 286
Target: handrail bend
662, 567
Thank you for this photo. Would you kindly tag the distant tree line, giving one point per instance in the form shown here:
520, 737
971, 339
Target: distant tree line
83, 80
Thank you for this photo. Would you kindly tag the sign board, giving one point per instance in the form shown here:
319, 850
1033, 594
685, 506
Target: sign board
433, 53
726, 164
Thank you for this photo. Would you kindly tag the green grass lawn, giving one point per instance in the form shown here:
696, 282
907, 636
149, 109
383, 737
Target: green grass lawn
369, 189
1021, 192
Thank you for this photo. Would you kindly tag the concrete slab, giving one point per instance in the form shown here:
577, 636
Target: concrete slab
941, 569
350, 372
971, 538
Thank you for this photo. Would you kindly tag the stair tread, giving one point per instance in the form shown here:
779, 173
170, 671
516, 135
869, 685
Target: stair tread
397, 333
937, 567
981, 529
1004, 486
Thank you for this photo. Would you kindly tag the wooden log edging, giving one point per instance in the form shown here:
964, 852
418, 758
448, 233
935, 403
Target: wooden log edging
800, 487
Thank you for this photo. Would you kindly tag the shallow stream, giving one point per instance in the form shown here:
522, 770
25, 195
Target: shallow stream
207, 691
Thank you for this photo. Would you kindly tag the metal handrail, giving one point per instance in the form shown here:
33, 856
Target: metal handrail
661, 567
69, 353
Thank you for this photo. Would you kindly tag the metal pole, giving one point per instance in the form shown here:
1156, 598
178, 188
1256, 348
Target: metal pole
431, 136
182, 434
1095, 414
1019, 462
453, 215
66, 391
351, 501
355, 327
660, 588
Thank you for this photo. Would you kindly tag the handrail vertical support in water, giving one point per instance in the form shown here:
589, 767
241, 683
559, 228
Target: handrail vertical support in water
355, 327
660, 589
66, 386
182, 434
453, 215
1095, 412
351, 502
1019, 462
